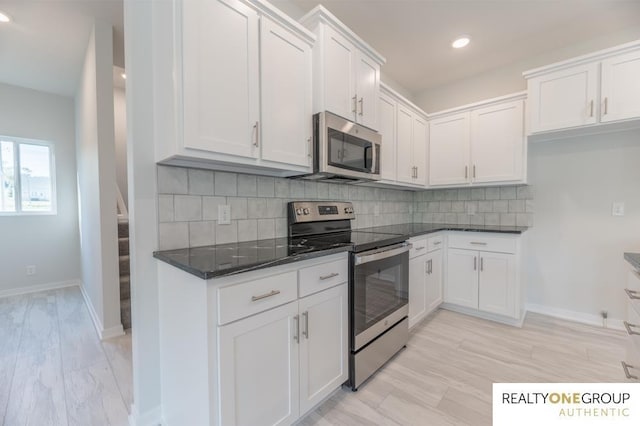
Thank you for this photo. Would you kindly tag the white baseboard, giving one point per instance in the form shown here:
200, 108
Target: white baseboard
580, 317
485, 315
39, 287
102, 332
152, 417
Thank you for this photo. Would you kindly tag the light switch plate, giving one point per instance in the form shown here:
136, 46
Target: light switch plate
224, 214
618, 208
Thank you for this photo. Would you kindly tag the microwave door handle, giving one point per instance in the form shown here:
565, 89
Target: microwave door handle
373, 158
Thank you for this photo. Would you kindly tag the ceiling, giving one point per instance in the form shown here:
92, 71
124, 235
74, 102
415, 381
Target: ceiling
415, 35
44, 47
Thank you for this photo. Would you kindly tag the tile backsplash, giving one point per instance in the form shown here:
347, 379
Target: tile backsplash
188, 201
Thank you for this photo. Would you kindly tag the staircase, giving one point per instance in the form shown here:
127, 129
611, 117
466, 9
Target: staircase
125, 283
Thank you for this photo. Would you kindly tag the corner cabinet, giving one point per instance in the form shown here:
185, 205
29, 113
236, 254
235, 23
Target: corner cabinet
583, 94
346, 70
404, 130
484, 275
479, 144
242, 88
261, 347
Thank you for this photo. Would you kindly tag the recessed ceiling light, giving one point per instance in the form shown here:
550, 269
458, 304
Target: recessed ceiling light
4, 17
460, 42
124, 76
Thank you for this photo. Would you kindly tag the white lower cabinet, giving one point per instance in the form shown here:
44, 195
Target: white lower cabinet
277, 365
425, 281
462, 278
497, 275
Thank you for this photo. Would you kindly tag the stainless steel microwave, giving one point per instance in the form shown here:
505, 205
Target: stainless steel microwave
343, 151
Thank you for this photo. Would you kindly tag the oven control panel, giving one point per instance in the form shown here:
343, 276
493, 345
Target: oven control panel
315, 211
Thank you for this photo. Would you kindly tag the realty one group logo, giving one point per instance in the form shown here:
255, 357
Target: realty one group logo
550, 404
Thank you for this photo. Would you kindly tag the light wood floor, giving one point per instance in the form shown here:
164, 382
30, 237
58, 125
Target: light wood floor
55, 371
445, 375
53, 368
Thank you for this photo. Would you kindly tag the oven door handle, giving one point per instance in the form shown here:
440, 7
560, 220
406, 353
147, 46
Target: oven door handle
383, 253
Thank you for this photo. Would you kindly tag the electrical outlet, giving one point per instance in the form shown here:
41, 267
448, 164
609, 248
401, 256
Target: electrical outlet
618, 208
224, 214
31, 269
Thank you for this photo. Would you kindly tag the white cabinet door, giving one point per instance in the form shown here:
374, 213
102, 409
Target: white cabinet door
417, 282
433, 292
323, 345
462, 278
497, 143
497, 284
387, 120
404, 141
220, 77
564, 99
286, 96
449, 150
367, 90
258, 369
420, 134
621, 87
339, 75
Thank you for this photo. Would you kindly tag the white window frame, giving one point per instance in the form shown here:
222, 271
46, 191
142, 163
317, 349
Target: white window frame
18, 188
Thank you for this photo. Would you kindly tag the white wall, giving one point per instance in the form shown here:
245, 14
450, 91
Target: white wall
576, 245
95, 150
508, 79
50, 242
120, 122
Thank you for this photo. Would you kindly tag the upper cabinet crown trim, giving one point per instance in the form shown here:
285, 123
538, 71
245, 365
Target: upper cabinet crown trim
480, 104
580, 60
321, 14
267, 9
390, 92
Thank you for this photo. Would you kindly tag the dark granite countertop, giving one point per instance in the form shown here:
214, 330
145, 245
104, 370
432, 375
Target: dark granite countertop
234, 258
416, 229
633, 259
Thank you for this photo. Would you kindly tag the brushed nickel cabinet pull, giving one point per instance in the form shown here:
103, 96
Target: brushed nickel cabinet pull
310, 146
264, 296
355, 104
628, 327
430, 266
420, 248
437, 243
591, 109
606, 105
626, 368
296, 336
478, 243
466, 172
632, 294
475, 263
481, 264
361, 102
331, 275
416, 172
474, 171
257, 132
305, 331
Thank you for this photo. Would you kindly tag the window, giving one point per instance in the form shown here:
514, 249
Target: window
27, 177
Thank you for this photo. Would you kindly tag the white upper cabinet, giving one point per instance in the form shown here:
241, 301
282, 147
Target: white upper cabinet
479, 144
346, 70
404, 131
562, 99
286, 96
621, 87
586, 92
221, 77
449, 150
497, 143
387, 120
241, 97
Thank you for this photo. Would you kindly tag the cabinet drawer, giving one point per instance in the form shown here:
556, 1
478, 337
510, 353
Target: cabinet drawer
319, 277
248, 298
419, 247
483, 242
435, 243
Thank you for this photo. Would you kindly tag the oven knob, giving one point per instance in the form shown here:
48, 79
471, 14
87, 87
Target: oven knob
306, 211
298, 212
346, 209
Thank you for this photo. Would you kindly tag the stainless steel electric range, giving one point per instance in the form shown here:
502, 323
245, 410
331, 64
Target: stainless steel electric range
378, 282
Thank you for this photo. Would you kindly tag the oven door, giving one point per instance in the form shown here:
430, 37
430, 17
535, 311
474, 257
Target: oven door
380, 292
